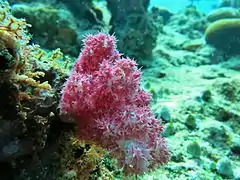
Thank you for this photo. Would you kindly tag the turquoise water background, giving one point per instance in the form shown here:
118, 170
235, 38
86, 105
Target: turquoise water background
176, 5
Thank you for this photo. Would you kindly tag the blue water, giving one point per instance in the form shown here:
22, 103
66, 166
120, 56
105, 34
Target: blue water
177, 5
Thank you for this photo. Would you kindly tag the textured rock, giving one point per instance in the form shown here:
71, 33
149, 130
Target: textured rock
194, 149
134, 28
51, 27
224, 167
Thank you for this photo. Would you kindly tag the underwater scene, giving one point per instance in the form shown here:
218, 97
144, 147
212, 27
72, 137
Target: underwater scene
119, 89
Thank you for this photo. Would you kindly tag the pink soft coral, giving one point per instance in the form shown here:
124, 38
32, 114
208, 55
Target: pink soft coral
103, 95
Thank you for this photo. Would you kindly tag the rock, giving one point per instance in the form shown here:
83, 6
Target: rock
229, 29
169, 130
165, 114
224, 167
51, 27
178, 157
229, 89
232, 63
134, 28
224, 114
235, 147
227, 3
147, 85
70, 175
215, 133
206, 51
162, 12
209, 164
84, 9
154, 94
224, 3
191, 11
212, 165
193, 45
209, 76
206, 95
223, 13
191, 122
194, 149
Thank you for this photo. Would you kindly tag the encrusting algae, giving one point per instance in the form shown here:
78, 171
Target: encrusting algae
19, 60
14, 39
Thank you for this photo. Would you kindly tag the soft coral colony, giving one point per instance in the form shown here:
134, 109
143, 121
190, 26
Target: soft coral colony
103, 95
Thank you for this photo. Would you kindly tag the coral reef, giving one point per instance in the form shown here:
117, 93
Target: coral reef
191, 68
